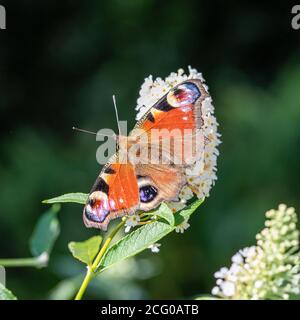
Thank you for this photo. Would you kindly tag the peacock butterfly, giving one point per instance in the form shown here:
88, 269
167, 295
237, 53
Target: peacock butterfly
134, 179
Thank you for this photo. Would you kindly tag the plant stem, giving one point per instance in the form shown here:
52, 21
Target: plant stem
37, 262
85, 283
145, 222
91, 269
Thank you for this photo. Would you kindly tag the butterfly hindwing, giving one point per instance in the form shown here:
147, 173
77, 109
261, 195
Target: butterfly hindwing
163, 182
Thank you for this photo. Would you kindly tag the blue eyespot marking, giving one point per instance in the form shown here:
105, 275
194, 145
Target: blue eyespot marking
147, 193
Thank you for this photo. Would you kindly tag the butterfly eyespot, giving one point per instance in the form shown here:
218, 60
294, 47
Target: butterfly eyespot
95, 214
184, 94
147, 193
97, 207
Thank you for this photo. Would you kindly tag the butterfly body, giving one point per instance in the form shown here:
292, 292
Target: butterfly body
147, 168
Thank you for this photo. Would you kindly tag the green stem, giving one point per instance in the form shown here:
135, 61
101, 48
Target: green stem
91, 269
144, 222
37, 262
84, 284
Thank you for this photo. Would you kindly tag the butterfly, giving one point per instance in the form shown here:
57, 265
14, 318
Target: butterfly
126, 185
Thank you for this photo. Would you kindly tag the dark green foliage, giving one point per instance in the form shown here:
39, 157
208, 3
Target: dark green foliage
45, 232
60, 64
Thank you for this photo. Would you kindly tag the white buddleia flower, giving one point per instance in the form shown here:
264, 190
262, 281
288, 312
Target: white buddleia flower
269, 270
154, 247
131, 221
201, 175
176, 206
182, 226
186, 193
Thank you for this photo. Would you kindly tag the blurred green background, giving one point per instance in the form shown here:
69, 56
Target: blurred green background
60, 63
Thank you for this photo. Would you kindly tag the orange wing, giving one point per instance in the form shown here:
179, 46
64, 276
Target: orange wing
178, 109
114, 194
176, 117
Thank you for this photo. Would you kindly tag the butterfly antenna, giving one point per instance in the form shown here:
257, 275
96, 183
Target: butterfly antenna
116, 111
90, 132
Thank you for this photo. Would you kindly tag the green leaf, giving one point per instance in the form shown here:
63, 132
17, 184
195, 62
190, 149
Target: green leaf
141, 238
185, 213
5, 294
77, 197
46, 232
86, 251
164, 212
135, 242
